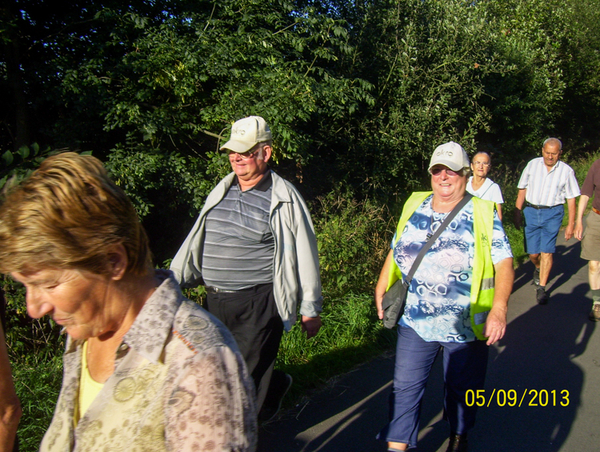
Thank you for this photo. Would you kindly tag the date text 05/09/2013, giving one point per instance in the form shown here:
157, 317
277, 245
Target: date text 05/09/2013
518, 398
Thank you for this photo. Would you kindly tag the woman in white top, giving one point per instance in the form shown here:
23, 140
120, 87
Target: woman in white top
482, 187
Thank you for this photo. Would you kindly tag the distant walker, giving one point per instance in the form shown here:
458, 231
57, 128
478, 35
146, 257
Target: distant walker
544, 185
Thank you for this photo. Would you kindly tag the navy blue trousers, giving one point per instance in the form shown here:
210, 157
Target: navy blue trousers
465, 366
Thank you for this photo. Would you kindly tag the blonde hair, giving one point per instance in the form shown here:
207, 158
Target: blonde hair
68, 215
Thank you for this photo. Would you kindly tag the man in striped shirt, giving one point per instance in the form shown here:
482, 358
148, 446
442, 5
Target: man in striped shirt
544, 186
254, 249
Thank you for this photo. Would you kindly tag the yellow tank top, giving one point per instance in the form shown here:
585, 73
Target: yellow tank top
88, 387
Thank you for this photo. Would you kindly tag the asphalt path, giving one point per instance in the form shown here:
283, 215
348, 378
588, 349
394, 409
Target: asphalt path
547, 367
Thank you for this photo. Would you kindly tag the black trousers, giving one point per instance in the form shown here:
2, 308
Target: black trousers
251, 316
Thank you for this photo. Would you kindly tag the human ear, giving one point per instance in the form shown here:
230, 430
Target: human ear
117, 259
267, 151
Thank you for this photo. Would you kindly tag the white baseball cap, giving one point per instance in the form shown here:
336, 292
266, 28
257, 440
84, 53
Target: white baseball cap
246, 133
451, 155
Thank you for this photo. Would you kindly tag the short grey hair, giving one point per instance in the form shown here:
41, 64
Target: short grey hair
552, 141
260, 146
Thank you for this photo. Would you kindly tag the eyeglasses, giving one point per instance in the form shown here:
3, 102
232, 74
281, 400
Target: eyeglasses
550, 154
245, 155
481, 164
437, 170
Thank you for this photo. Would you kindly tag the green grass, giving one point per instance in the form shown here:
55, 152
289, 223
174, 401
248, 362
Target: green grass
351, 334
37, 380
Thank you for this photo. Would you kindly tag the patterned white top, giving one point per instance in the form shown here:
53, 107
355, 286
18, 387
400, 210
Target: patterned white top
180, 384
548, 188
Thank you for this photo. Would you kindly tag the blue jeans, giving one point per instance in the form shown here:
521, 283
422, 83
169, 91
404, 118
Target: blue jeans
465, 365
541, 228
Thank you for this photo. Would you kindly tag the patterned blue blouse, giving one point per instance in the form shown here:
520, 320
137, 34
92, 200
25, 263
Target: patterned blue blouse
437, 304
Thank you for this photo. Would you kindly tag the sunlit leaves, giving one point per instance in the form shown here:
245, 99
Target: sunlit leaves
17, 165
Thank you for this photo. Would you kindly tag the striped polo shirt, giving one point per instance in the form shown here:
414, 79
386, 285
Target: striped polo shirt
239, 245
548, 188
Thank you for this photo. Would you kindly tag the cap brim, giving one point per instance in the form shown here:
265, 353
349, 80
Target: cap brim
237, 146
447, 163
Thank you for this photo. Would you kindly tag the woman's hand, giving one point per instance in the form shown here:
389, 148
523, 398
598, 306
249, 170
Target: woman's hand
382, 283
495, 325
378, 303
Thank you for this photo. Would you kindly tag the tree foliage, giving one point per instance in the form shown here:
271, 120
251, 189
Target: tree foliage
430, 60
525, 98
356, 92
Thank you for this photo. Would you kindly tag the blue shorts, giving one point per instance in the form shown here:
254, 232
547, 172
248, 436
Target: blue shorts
541, 228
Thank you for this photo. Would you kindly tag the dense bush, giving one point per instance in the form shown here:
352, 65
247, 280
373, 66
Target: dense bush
356, 92
353, 238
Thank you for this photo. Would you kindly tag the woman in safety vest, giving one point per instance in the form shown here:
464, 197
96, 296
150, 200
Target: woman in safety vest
457, 299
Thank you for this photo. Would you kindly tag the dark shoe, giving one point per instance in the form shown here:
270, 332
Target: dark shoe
457, 443
541, 295
595, 313
272, 406
536, 277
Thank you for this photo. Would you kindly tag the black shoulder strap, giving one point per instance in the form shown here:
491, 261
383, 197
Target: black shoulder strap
434, 236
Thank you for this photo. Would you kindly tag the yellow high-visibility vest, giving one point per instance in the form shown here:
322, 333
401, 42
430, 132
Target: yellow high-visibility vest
482, 281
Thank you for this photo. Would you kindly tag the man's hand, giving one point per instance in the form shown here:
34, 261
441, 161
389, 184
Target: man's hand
583, 202
519, 206
569, 232
311, 325
518, 218
578, 232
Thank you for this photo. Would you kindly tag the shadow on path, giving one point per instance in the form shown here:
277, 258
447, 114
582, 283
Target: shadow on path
566, 263
534, 364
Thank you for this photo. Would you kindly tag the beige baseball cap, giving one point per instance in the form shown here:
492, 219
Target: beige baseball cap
451, 155
246, 132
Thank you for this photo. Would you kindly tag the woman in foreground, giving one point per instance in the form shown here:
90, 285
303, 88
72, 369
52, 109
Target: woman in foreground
144, 368
457, 300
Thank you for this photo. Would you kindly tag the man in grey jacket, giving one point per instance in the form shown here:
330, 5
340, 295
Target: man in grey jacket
254, 249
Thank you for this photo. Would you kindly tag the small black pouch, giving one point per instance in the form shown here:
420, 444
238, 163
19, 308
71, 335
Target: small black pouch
393, 304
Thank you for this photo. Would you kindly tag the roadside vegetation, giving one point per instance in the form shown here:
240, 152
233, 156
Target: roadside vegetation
354, 238
357, 94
